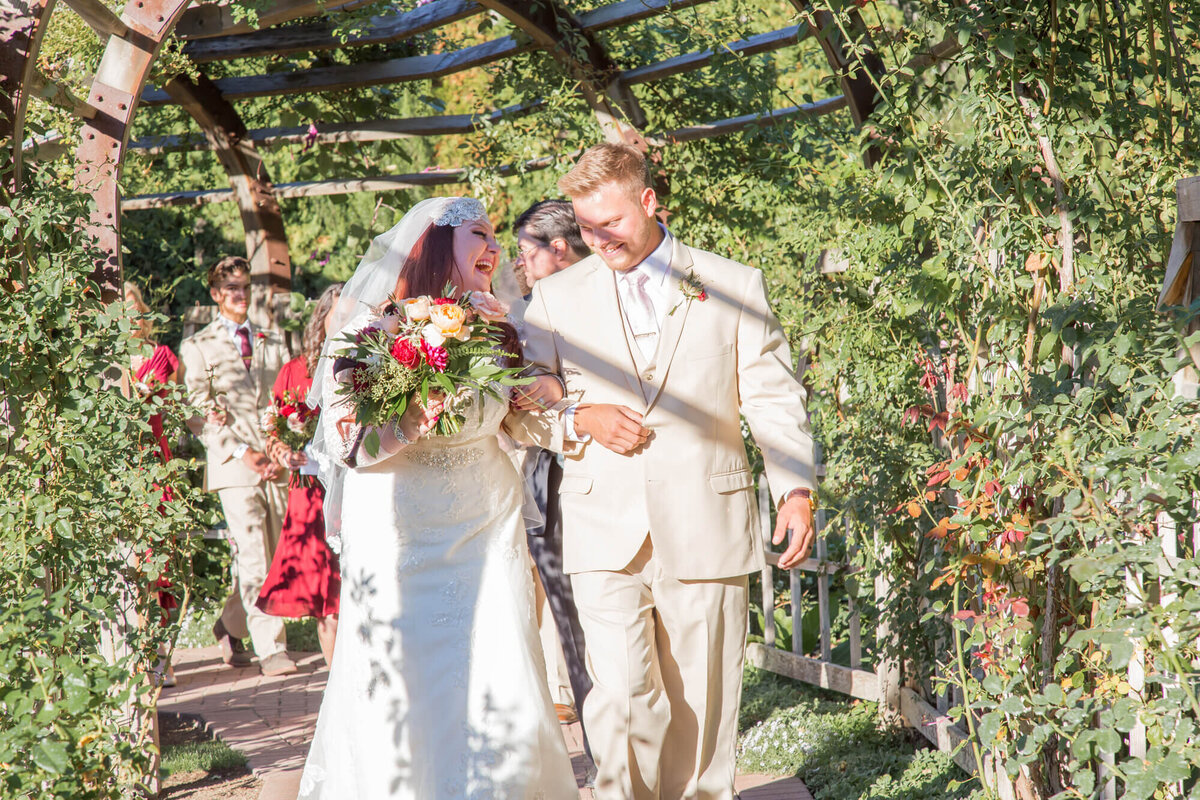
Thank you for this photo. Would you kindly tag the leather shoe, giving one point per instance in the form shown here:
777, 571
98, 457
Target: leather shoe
233, 652
566, 713
277, 664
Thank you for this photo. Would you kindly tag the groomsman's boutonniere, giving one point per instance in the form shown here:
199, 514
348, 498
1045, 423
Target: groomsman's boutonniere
259, 335
692, 288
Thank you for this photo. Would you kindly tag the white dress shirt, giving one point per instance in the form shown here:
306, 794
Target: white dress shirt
657, 267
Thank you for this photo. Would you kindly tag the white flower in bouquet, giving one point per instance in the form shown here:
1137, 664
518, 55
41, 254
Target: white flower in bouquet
267, 421
294, 423
417, 309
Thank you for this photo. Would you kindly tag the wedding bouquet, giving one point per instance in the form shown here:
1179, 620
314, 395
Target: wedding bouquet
421, 345
290, 420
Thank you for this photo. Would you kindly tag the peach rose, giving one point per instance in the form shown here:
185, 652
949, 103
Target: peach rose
446, 322
488, 306
417, 308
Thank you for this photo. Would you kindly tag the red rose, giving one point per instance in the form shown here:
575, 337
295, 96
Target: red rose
286, 410
404, 352
444, 301
435, 357
702, 296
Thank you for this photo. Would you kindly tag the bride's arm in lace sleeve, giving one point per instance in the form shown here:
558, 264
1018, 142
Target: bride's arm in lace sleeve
366, 447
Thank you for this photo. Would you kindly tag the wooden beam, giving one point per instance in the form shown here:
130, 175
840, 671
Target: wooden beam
1187, 194
858, 683
345, 76
582, 56
935, 727
412, 68
858, 68
57, 94
734, 124
262, 221
628, 11
99, 18
443, 177
688, 62
393, 28
365, 131
217, 19
320, 36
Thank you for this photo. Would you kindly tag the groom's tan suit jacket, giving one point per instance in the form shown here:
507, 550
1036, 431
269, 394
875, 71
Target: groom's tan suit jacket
214, 374
690, 487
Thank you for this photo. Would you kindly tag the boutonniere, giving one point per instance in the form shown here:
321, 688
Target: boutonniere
260, 335
692, 288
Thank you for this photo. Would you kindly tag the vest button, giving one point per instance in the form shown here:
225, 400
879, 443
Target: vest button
649, 376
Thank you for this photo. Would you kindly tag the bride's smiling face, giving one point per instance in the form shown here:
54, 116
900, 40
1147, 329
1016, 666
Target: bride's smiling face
476, 254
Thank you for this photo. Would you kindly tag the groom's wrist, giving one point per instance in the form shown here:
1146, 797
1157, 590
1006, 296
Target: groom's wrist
570, 429
800, 492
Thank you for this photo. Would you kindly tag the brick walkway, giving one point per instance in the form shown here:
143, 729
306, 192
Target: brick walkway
270, 721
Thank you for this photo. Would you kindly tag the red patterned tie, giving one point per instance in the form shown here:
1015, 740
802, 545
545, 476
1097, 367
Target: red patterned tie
244, 335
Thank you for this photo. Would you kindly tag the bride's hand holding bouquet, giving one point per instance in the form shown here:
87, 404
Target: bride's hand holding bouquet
425, 353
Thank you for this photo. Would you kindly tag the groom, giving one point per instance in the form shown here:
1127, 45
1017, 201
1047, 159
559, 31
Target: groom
661, 347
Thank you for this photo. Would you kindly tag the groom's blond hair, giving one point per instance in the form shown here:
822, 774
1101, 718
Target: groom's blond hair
605, 164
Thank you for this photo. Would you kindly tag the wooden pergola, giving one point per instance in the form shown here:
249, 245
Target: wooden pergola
210, 33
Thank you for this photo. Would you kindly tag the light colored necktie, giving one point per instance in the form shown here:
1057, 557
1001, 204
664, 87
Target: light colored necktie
639, 312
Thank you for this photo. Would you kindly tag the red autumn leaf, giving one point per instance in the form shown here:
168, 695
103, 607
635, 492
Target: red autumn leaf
911, 415
991, 488
1020, 608
939, 420
965, 614
941, 477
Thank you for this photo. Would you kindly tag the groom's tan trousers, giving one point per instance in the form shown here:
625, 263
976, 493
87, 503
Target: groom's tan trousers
665, 657
255, 518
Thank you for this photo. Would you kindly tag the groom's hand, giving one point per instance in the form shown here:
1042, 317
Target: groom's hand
619, 428
796, 516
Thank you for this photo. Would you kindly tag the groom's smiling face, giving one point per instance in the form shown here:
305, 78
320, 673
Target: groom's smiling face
617, 222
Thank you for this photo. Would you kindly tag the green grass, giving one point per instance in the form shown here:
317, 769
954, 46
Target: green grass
837, 746
210, 756
302, 635
196, 631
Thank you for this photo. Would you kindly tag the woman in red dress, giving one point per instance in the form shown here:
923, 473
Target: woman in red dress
304, 579
151, 375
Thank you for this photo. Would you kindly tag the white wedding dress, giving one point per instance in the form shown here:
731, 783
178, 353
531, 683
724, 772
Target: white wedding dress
437, 688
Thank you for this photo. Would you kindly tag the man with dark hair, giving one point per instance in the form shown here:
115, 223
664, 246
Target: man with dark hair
229, 367
548, 241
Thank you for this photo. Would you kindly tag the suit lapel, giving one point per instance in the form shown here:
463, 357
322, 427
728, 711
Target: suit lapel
613, 342
678, 306
224, 343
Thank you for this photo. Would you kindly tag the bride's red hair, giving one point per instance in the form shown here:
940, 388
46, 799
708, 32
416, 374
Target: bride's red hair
430, 266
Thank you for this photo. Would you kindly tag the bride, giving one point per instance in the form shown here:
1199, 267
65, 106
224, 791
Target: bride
437, 686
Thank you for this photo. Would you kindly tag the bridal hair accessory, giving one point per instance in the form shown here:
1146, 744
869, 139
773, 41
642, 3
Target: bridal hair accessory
460, 210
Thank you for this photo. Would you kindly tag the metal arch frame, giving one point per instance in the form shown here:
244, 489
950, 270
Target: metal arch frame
23, 24
119, 79
556, 30
266, 239
115, 92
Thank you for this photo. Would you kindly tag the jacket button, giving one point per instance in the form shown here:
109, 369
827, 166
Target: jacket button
649, 376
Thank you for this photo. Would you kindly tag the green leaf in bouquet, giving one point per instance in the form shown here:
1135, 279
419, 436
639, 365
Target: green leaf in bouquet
371, 443
444, 384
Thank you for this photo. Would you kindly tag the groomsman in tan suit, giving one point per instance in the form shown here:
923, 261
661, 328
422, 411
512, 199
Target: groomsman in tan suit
229, 367
661, 347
